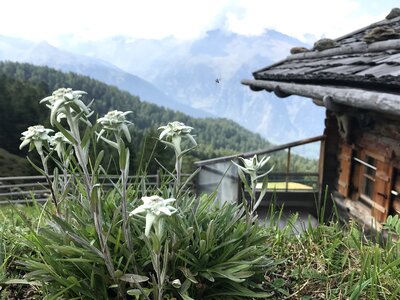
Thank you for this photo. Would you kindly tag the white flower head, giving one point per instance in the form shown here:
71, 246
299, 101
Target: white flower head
176, 283
115, 121
155, 207
65, 100
35, 136
175, 130
58, 141
251, 166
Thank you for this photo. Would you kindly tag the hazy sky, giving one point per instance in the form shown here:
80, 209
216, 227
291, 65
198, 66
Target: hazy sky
96, 19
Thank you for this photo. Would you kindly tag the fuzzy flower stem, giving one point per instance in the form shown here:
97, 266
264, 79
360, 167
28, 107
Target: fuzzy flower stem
125, 221
49, 182
176, 141
253, 194
96, 209
124, 182
157, 267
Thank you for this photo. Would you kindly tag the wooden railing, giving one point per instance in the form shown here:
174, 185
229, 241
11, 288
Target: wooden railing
288, 147
287, 177
28, 189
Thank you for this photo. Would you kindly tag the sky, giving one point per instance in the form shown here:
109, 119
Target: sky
306, 20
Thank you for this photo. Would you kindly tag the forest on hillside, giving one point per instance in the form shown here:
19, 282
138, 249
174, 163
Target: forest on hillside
22, 86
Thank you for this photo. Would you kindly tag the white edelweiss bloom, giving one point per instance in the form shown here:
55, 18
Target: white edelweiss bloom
58, 141
251, 166
176, 283
62, 99
35, 135
155, 207
115, 121
176, 129
59, 138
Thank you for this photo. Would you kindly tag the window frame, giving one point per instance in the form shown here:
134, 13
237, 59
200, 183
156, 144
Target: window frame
353, 176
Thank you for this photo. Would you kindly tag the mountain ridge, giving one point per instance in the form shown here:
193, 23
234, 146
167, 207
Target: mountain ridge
43, 53
205, 74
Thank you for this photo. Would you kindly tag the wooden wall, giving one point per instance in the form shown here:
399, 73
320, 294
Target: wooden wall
328, 167
375, 136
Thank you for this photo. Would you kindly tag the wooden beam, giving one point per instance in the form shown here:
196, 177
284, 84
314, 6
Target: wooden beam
375, 101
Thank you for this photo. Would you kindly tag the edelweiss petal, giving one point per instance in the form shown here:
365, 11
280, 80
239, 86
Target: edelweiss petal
155, 207
115, 121
150, 219
165, 210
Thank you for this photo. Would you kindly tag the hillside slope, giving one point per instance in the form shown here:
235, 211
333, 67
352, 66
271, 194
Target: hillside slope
23, 85
44, 54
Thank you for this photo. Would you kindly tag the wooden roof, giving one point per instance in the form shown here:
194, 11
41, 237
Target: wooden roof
360, 69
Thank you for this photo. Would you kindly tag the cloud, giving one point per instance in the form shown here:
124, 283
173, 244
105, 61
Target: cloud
90, 19
301, 19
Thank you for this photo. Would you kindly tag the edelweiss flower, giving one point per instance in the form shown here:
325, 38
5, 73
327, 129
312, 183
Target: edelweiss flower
155, 207
35, 135
115, 121
63, 100
176, 129
251, 166
58, 141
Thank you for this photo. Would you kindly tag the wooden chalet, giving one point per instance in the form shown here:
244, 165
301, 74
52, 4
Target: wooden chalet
357, 79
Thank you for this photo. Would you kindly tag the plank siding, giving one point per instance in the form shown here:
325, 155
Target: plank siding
378, 138
345, 159
383, 180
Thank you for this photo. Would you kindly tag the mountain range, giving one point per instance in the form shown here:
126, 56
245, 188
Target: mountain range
198, 77
44, 54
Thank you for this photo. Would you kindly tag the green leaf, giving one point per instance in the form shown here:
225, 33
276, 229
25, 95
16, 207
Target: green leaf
185, 296
137, 293
23, 281
237, 290
202, 247
155, 243
37, 168
122, 155
127, 162
86, 138
66, 133
262, 194
245, 182
188, 274
207, 276
111, 143
133, 278
98, 161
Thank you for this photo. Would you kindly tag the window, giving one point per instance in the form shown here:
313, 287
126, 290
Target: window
374, 183
366, 177
368, 170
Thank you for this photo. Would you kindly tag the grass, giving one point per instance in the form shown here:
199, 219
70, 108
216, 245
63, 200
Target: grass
330, 261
